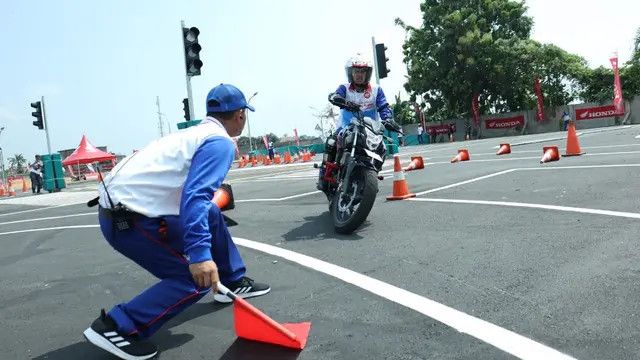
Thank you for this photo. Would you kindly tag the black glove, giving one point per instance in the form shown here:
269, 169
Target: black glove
337, 100
391, 125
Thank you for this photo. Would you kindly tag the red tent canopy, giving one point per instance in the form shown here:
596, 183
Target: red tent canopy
86, 153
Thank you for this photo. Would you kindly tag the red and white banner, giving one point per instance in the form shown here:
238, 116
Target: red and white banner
540, 110
475, 109
295, 135
440, 129
596, 112
617, 87
504, 123
266, 142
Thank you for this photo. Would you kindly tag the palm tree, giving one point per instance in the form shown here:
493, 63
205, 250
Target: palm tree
17, 164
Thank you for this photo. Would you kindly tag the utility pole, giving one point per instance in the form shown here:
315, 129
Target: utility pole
46, 126
375, 70
160, 127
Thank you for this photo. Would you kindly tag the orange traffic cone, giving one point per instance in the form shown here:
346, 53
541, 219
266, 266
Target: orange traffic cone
504, 149
24, 185
252, 324
400, 186
550, 154
573, 145
223, 197
2, 190
416, 164
276, 159
463, 155
287, 158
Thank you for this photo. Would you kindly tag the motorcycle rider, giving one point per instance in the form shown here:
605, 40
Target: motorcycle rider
359, 90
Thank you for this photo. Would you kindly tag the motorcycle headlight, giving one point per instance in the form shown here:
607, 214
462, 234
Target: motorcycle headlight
373, 140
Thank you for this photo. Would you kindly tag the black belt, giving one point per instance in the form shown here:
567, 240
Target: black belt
109, 213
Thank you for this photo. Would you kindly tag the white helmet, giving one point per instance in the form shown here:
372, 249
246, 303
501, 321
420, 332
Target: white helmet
358, 61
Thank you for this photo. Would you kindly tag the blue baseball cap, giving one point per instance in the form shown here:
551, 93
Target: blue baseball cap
226, 97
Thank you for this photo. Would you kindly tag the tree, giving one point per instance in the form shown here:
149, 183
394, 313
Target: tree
630, 73
598, 85
468, 47
403, 111
17, 164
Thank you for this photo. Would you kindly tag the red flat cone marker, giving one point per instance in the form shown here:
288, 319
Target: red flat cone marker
252, 324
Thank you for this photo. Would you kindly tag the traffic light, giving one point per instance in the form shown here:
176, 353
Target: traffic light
381, 61
37, 114
192, 50
187, 115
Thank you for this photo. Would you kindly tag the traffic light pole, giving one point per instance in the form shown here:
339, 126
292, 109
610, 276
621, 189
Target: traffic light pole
191, 115
46, 126
373, 48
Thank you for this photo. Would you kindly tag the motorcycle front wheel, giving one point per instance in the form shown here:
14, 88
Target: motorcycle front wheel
350, 207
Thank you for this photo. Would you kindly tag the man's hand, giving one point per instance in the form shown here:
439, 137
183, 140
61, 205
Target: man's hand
205, 274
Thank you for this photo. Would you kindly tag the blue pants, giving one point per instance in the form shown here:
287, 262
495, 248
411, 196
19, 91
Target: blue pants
162, 255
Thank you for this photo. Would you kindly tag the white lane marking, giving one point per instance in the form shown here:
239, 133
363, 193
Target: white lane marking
39, 209
50, 228
579, 167
638, 137
612, 153
280, 199
525, 169
534, 206
540, 150
505, 340
270, 167
48, 218
466, 182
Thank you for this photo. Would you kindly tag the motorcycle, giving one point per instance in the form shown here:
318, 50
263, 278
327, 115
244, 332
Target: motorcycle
349, 178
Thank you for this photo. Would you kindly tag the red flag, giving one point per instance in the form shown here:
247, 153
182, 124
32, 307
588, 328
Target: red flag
617, 87
540, 110
420, 115
266, 142
475, 109
235, 144
295, 135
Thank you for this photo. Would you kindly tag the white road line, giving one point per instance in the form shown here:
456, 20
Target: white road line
466, 182
638, 137
280, 199
540, 150
48, 218
534, 206
579, 167
525, 169
50, 228
612, 153
505, 340
39, 209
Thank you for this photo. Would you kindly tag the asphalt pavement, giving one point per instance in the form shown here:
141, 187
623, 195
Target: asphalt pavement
499, 257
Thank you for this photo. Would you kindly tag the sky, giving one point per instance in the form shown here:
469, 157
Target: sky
101, 65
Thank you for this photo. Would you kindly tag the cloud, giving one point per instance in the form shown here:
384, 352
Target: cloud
7, 116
